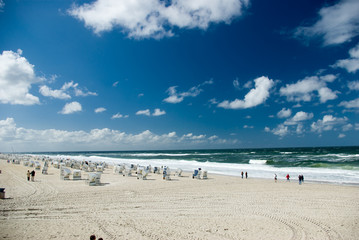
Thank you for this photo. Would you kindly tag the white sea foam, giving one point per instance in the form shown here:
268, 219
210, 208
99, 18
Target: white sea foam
256, 168
255, 161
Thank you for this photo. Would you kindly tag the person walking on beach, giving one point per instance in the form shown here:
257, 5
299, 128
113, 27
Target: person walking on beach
275, 177
92, 237
246, 175
242, 174
33, 175
288, 177
28, 175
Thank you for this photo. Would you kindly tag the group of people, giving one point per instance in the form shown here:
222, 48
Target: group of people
30, 174
300, 178
245, 174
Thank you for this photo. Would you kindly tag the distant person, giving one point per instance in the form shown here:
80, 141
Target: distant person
28, 175
288, 177
300, 179
275, 177
32, 175
246, 175
92, 237
242, 174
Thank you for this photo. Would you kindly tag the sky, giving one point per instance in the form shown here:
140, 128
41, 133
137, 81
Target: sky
103, 75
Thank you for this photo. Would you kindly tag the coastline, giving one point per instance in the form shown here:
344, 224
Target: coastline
220, 207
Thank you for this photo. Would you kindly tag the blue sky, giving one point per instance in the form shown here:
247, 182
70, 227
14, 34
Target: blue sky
139, 75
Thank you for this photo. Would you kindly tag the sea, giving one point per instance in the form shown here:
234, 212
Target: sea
338, 165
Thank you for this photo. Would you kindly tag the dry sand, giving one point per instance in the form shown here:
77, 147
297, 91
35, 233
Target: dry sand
220, 207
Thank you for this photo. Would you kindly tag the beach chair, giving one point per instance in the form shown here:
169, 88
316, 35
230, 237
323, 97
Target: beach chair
37, 165
26, 163
128, 170
44, 170
195, 174
94, 179
99, 168
204, 175
178, 172
166, 173
65, 173
55, 164
142, 174
76, 174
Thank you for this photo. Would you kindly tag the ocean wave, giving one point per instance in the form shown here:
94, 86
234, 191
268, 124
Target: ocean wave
260, 162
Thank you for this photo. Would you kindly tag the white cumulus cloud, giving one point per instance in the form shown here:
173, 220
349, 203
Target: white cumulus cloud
16, 78
304, 89
23, 139
299, 117
337, 24
71, 108
155, 18
254, 97
328, 123
350, 104
284, 113
352, 63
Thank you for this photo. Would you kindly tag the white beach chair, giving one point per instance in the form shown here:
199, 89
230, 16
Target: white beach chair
99, 168
195, 173
65, 173
166, 173
94, 179
37, 165
178, 172
204, 174
26, 163
76, 174
44, 170
142, 174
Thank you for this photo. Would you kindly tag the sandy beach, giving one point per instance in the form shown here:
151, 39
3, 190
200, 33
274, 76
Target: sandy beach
220, 207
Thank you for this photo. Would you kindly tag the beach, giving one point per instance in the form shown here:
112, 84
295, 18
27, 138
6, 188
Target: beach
220, 207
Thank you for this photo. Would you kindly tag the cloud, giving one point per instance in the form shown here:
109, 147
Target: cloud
284, 113
157, 112
304, 89
100, 110
327, 123
254, 97
119, 115
299, 117
281, 130
337, 24
353, 85
23, 139
47, 92
155, 18
115, 84
16, 77
64, 92
144, 112
351, 64
2, 5
350, 104
175, 97
71, 108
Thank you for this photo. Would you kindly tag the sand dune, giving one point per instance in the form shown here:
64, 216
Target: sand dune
220, 207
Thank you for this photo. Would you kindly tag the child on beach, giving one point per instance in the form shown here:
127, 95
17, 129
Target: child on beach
28, 175
288, 177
